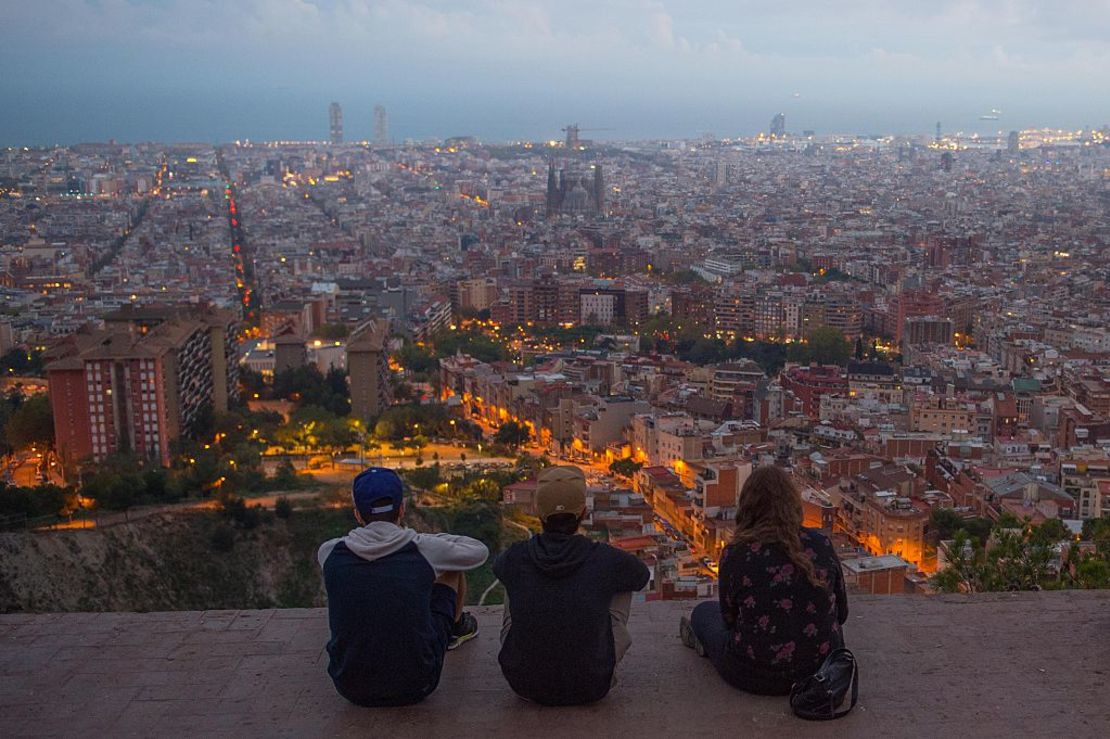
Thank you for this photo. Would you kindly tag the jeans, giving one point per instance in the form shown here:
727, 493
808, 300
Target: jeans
710, 629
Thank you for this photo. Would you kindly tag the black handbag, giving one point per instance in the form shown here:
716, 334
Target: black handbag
823, 695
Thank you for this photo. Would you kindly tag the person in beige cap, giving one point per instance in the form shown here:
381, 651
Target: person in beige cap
570, 598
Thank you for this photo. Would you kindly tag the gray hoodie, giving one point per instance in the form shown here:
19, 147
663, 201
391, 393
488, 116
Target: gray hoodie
444, 552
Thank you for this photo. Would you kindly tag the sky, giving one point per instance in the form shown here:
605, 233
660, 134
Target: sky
221, 70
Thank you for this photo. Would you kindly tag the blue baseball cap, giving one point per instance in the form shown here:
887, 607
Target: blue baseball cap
373, 484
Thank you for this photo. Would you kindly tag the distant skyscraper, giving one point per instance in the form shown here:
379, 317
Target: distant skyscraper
381, 126
720, 174
368, 369
1013, 143
335, 117
937, 139
778, 126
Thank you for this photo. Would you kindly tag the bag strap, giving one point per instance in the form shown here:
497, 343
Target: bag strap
855, 690
855, 684
802, 713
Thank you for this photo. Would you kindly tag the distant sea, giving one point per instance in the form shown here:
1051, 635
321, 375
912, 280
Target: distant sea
38, 118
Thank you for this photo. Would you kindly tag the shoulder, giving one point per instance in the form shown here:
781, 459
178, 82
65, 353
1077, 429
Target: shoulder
326, 549
817, 541
510, 554
610, 552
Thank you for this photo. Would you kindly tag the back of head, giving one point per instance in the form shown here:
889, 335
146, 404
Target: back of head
378, 494
769, 504
770, 512
561, 498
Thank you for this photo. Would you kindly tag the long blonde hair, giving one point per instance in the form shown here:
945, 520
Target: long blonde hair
770, 512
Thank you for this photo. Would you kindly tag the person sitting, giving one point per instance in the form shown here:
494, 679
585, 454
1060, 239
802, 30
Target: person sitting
782, 599
568, 599
395, 598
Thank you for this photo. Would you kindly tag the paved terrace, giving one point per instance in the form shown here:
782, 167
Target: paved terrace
1033, 664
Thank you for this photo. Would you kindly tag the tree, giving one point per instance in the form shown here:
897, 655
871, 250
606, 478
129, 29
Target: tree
418, 360
283, 508
45, 500
625, 467
512, 434
480, 519
1051, 532
963, 571
944, 523
423, 478
333, 331
306, 386
31, 423
827, 345
1093, 572
286, 475
21, 362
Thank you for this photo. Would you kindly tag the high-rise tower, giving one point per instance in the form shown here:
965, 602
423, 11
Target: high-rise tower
778, 126
599, 191
381, 126
368, 369
335, 118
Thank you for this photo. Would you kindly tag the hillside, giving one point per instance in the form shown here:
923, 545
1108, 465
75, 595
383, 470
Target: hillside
192, 560
168, 562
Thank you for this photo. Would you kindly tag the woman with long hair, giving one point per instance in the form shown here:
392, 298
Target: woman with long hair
782, 598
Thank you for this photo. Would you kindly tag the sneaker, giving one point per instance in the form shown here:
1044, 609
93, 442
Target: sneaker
686, 632
465, 629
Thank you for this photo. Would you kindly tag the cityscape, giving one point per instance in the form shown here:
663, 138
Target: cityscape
413, 368
915, 326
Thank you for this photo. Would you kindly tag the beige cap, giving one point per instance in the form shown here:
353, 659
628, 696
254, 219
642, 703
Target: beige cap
560, 489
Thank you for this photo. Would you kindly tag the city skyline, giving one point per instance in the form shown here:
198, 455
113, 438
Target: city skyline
178, 71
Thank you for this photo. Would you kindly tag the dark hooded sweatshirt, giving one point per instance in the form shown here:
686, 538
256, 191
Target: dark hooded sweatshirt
559, 649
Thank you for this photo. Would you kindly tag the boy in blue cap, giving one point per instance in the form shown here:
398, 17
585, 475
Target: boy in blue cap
395, 598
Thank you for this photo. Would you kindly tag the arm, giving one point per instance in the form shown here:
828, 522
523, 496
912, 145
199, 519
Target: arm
629, 573
730, 609
451, 553
500, 564
837, 575
325, 551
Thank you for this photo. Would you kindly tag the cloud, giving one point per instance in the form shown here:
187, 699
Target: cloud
586, 55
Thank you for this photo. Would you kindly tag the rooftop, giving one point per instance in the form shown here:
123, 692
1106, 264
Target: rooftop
929, 666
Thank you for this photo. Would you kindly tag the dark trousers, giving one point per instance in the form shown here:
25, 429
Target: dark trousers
710, 629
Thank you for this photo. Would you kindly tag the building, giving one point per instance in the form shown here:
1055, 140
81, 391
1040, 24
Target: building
476, 294
138, 384
927, 330
290, 351
808, 384
368, 370
335, 120
570, 192
882, 575
381, 126
727, 381
1085, 476
223, 336
941, 415
778, 126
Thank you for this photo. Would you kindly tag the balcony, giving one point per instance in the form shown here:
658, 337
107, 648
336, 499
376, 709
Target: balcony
991, 665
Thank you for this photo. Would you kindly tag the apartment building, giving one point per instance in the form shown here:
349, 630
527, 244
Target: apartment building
140, 383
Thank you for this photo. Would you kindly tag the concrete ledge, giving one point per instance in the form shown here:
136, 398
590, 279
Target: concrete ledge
1031, 664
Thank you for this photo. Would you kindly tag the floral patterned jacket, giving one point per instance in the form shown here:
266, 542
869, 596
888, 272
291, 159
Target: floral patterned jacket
780, 621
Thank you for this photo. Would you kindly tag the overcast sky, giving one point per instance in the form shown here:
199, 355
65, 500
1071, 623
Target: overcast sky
217, 70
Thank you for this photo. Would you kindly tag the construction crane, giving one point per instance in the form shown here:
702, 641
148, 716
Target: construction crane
572, 130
